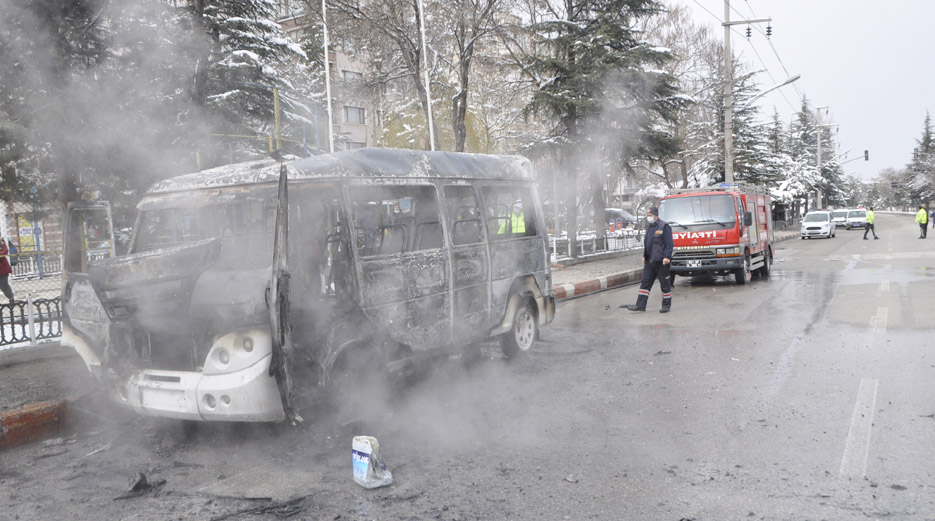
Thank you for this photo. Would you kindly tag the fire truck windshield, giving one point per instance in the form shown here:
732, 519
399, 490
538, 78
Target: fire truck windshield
710, 211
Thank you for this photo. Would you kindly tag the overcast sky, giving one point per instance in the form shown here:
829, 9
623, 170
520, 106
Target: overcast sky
871, 63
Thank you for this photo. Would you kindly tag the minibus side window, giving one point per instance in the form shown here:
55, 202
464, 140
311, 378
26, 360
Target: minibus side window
510, 212
465, 225
395, 219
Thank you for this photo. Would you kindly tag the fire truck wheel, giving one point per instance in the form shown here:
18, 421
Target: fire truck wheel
764, 271
742, 275
520, 337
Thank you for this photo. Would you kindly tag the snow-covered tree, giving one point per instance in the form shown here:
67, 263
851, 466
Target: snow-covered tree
921, 170
246, 58
598, 80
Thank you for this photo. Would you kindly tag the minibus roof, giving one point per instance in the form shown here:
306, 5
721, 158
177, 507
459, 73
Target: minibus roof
366, 162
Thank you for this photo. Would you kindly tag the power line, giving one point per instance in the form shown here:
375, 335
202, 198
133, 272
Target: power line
762, 62
771, 46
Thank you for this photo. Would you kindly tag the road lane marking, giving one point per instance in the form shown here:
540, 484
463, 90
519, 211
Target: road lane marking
885, 256
884, 286
878, 321
857, 445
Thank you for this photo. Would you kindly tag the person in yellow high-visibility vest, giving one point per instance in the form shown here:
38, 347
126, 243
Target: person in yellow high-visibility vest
922, 219
517, 221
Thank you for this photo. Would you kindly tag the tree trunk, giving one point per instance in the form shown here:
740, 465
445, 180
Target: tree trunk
199, 93
459, 102
598, 202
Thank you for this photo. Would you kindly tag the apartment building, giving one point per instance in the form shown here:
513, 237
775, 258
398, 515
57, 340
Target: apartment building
356, 118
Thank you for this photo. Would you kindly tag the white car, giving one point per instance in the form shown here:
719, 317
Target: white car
856, 219
840, 218
818, 223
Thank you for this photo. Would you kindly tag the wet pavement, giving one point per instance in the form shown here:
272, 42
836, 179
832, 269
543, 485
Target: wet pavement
803, 396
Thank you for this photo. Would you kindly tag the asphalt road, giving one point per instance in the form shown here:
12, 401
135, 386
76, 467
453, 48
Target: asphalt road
805, 396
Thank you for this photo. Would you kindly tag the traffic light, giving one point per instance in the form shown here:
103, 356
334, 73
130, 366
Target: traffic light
749, 32
769, 31
866, 155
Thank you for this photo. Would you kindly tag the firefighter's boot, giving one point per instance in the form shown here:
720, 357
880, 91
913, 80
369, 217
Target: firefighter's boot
666, 305
640, 303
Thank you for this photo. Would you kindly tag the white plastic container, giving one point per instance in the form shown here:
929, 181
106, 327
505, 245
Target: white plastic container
369, 471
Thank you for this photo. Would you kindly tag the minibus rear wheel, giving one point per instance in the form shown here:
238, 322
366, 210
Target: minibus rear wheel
520, 337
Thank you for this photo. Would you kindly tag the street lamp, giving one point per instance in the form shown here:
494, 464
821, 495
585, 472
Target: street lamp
789, 80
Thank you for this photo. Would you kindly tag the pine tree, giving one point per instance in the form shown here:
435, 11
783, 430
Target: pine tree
921, 170
594, 75
236, 74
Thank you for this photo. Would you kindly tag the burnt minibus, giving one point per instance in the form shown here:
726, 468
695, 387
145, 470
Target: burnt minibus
249, 283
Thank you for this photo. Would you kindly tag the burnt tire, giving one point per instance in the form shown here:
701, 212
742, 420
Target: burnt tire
521, 336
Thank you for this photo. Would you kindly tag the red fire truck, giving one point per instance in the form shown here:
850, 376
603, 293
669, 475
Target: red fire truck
720, 230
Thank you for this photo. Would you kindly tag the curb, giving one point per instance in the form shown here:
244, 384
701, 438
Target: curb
31, 422
577, 289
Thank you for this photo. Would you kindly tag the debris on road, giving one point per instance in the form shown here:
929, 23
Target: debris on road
571, 478
283, 509
369, 471
139, 486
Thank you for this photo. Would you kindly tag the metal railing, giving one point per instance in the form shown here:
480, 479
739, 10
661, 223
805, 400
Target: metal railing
591, 244
28, 321
36, 311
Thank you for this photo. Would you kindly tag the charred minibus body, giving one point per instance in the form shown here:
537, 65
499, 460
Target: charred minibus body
248, 281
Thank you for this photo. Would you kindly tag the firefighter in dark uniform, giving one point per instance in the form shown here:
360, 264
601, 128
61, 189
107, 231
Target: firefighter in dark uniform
657, 254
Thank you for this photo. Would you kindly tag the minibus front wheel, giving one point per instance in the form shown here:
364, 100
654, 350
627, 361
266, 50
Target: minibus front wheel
520, 337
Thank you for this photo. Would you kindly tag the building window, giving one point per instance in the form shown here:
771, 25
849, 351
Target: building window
352, 76
354, 145
353, 115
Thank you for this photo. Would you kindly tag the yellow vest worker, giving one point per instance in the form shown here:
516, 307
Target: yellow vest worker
922, 219
869, 227
517, 222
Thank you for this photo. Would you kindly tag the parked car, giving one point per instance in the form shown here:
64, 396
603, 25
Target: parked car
856, 218
619, 218
818, 223
840, 217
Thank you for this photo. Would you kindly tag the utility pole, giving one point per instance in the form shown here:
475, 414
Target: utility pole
818, 134
728, 89
428, 81
324, 27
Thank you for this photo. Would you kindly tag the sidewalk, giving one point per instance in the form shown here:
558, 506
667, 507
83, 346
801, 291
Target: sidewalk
37, 384
612, 271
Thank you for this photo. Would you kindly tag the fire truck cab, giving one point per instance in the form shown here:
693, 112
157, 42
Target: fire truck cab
721, 230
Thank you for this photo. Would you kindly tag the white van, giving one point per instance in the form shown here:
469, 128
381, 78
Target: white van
856, 218
818, 223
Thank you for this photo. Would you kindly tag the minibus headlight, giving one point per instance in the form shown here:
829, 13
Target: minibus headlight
237, 351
